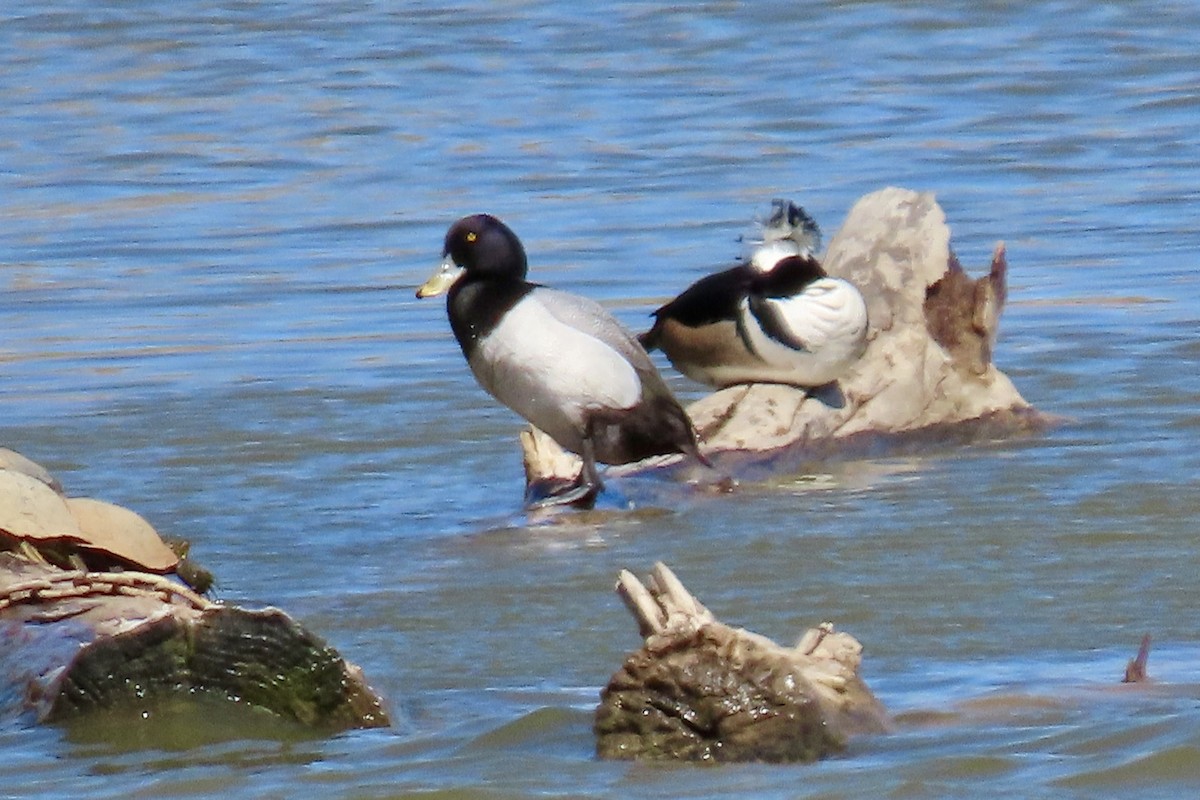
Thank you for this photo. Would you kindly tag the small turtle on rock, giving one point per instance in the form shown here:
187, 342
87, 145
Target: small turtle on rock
41, 523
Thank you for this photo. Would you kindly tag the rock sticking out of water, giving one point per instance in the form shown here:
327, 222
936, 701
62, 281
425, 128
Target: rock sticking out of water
78, 640
1135, 670
700, 690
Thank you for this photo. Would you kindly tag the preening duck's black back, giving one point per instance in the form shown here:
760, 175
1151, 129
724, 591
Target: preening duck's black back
713, 298
789, 277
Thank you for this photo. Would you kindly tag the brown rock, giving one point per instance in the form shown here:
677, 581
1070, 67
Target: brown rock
700, 690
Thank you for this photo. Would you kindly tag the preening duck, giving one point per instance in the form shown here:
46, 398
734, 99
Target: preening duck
777, 319
559, 360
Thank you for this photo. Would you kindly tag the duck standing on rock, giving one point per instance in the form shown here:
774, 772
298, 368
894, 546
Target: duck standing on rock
559, 360
777, 319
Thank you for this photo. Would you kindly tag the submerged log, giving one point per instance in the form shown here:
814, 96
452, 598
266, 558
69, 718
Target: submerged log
927, 368
73, 641
700, 690
110, 634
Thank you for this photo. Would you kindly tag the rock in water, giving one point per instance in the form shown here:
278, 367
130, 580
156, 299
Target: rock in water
700, 690
928, 360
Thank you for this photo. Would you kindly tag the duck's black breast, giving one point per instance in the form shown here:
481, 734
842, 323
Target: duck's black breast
711, 299
476, 307
788, 278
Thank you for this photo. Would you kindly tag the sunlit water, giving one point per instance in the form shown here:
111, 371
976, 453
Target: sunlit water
213, 218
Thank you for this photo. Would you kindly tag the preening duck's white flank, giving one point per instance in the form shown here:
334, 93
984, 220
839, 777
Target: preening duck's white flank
550, 372
826, 328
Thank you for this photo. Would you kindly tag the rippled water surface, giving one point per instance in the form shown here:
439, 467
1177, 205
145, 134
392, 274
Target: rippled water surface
212, 218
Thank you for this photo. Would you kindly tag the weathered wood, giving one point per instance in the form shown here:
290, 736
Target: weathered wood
73, 641
700, 690
927, 368
1135, 670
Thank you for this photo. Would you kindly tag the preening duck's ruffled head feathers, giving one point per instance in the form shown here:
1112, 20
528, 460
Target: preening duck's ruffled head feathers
790, 221
788, 231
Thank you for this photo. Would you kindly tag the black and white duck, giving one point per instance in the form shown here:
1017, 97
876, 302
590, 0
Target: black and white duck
779, 318
559, 360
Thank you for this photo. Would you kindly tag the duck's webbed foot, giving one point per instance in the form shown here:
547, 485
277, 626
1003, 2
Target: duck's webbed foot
830, 394
581, 493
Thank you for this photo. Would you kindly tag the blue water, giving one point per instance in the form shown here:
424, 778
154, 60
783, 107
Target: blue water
213, 217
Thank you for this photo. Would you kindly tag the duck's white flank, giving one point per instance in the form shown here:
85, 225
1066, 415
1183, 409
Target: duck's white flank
829, 318
552, 373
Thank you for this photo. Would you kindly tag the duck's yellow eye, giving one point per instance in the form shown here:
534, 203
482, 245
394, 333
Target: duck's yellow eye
472, 236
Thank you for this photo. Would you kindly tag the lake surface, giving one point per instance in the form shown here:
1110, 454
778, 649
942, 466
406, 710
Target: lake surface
212, 219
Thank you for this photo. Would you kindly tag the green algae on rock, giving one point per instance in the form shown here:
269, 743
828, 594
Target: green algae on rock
91, 618
700, 690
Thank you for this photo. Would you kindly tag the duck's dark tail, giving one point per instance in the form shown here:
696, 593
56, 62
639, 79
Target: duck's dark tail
659, 426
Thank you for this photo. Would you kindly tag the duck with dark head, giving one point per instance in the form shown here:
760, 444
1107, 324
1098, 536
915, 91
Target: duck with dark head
559, 360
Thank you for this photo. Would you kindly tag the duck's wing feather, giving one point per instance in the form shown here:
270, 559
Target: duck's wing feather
713, 298
658, 423
590, 317
827, 310
773, 320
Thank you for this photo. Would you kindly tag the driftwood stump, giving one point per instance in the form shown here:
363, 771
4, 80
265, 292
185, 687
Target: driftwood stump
85, 624
700, 690
927, 369
73, 641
